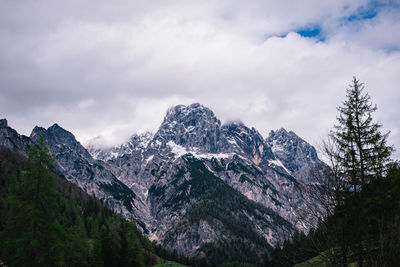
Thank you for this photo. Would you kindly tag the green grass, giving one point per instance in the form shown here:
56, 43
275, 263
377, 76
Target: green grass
172, 264
320, 261
316, 261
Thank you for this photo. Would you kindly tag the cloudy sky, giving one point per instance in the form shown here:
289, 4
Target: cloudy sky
112, 68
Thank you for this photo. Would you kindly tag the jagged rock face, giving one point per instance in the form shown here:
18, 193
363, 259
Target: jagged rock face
193, 207
248, 143
235, 154
77, 165
134, 146
210, 211
196, 182
299, 157
12, 140
61, 141
194, 126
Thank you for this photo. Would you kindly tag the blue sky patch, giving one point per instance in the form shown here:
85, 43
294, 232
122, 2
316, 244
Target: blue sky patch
311, 32
372, 9
365, 13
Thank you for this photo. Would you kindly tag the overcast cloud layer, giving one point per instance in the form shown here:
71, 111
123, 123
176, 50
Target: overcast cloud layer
112, 68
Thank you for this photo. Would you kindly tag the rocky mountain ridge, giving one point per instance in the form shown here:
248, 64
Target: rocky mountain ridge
195, 183
271, 172
74, 163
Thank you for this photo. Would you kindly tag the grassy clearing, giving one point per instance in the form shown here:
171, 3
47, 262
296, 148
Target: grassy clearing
321, 261
169, 264
316, 261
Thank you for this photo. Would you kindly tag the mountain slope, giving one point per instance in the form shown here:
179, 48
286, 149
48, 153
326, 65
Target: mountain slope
239, 157
197, 184
297, 155
11, 139
93, 234
75, 164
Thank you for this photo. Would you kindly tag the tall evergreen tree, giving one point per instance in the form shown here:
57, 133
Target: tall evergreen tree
360, 194
362, 156
362, 150
32, 235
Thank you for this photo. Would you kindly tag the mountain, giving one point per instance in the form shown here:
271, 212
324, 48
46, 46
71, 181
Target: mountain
75, 164
299, 157
137, 142
202, 188
271, 173
87, 234
11, 139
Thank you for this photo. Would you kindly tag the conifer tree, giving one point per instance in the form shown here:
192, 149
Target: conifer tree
362, 150
362, 156
360, 195
32, 235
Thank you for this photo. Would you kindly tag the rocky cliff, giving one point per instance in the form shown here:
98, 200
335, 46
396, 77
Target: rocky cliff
195, 185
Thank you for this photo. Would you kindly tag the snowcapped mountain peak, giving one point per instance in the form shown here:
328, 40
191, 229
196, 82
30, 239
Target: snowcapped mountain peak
233, 123
247, 142
283, 135
284, 141
189, 126
190, 115
281, 132
137, 143
296, 154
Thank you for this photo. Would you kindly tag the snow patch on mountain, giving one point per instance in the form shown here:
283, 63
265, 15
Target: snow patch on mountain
278, 163
179, 151
136, 143
276, 147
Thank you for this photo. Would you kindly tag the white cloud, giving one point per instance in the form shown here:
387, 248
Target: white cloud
378, 32
113, 69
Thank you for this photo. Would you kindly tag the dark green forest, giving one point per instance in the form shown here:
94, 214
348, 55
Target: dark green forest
47, 221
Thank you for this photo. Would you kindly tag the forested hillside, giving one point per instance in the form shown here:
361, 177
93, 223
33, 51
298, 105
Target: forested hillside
47, 221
